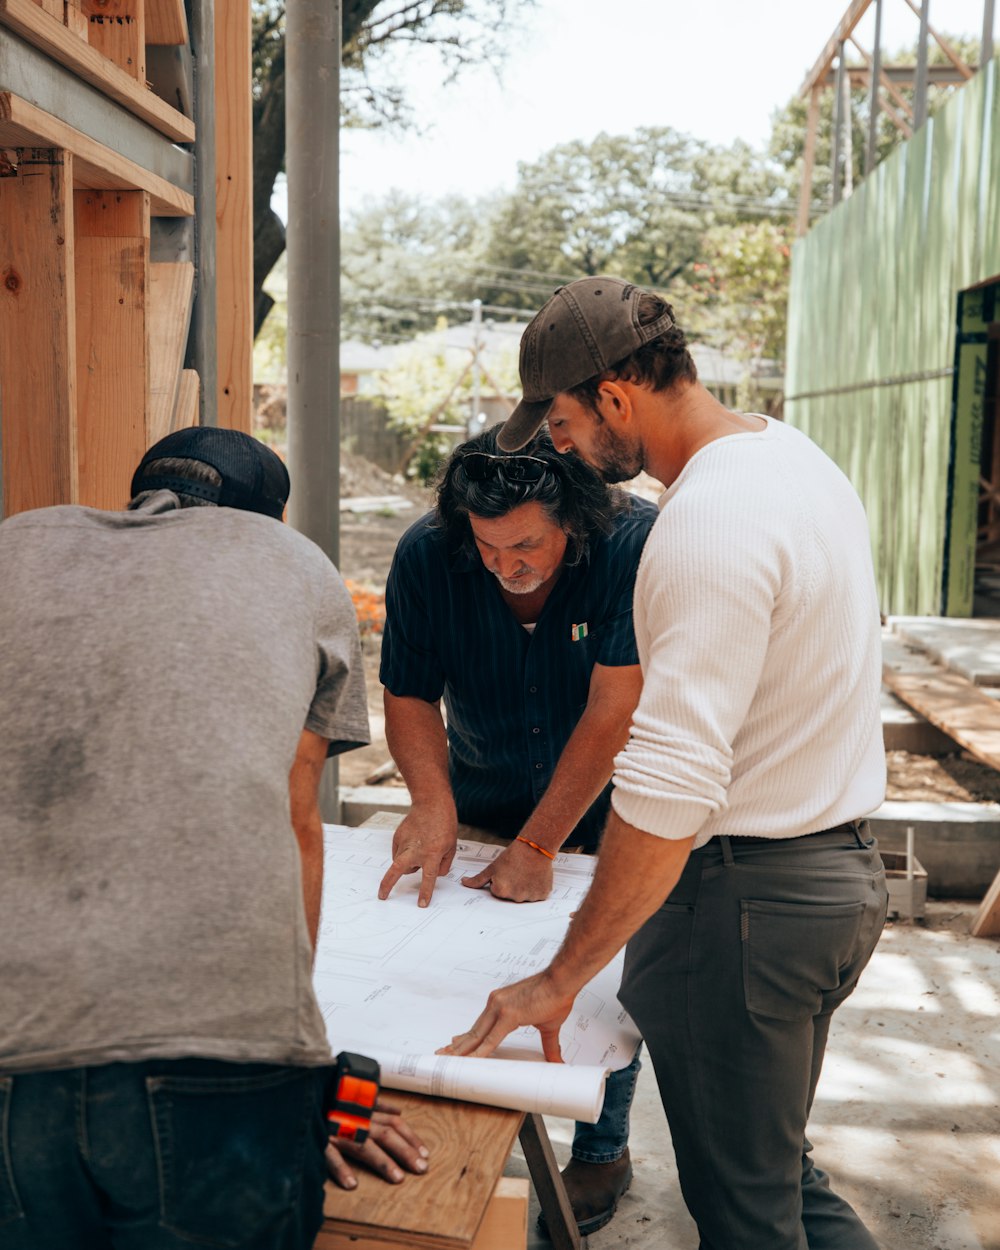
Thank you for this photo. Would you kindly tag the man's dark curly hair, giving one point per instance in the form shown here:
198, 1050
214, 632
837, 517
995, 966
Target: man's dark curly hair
661, 363
571, 492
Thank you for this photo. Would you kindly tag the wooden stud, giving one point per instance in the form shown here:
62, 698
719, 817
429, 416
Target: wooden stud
37, 343
171, 291
166, 22
75, 20
52, 7
234, 214
22, 125
118, 31
112, 280
60, 43
188, 407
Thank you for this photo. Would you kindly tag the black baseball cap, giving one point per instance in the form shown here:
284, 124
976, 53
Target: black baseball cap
585, 328
253, 477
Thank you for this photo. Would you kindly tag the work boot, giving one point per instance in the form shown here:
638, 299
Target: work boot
594, 1191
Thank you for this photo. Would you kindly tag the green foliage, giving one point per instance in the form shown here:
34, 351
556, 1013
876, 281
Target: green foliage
431, 385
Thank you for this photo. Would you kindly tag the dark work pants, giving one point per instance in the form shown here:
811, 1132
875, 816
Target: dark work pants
732, 984
164, 1155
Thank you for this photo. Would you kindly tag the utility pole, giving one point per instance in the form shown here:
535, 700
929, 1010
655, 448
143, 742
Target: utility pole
312, 125
477, 402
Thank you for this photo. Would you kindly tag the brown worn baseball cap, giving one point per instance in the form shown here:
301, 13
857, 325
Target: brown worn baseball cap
585, 328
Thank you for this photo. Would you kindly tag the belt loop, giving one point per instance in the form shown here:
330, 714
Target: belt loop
727, 850
857, 826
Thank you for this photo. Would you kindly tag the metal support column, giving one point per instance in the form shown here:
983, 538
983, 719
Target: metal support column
920, 84
986, 48
202, 352
838, 127
312, 146
871, 151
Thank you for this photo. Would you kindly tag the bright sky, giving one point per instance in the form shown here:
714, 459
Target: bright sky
716, 69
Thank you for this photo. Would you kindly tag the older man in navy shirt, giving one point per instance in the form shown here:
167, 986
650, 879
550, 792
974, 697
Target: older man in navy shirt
512, 602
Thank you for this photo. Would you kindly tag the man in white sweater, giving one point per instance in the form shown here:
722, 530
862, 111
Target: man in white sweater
736, 862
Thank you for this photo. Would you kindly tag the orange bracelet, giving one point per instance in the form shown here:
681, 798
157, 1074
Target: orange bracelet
535, 847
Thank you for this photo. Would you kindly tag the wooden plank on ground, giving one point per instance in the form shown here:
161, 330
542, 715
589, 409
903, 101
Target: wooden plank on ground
986, 922
95, 167
65, 45
112, 339
444, 1208
234, 214
118, 31
188, 410
37, 332
950, 702
166, 22
171, 289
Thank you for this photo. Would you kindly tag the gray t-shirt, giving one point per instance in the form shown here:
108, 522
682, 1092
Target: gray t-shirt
157, 669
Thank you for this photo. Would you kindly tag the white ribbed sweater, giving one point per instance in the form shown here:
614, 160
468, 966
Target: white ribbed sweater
758, 629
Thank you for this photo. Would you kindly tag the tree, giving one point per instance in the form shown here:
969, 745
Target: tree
463, 31
405, 261
636, 206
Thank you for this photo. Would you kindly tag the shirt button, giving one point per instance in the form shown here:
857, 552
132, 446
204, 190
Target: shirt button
538, 765
532, 690
536, 730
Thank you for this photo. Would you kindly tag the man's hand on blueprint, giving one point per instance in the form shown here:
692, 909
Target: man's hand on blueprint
390, 1143
537, 1001
425, 842
518, 874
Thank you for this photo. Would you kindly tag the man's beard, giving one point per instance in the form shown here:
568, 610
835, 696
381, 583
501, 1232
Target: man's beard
617, 459
520, 585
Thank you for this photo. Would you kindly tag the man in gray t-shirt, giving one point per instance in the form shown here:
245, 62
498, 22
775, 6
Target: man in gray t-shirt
172, 678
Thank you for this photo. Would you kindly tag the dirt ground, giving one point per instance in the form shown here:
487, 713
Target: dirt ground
367, 543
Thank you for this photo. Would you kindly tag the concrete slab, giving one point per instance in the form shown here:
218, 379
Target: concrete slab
906, 1113
969, 647
958, 843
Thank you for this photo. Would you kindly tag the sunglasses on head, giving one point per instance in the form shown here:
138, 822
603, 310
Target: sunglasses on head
480, 465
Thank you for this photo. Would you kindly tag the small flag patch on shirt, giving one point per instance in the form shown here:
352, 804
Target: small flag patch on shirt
577, 632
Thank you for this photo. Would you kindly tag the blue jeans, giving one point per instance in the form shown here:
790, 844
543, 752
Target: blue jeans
163, 1155
606, 1140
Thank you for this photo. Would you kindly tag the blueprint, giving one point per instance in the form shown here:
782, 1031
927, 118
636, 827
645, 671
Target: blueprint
401, 980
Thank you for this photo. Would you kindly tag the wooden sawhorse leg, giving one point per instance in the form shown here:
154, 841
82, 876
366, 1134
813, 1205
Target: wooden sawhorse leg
548, 1183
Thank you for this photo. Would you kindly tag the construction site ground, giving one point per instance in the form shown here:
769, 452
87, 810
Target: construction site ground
907, 1116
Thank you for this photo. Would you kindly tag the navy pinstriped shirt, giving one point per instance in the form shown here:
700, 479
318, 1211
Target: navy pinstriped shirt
512, 698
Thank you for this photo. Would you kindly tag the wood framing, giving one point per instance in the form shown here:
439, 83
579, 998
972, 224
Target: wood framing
170, 295
166, 22
95, 166
38, 339
118, 31
188, 401
986, 922
65, 46
234, 214
112, 341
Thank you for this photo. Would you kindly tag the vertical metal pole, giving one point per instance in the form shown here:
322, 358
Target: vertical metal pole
808, 161
477, 402
873, 94
848, 138
203, 350
920, 99
986, 48
312, 144
838, 128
